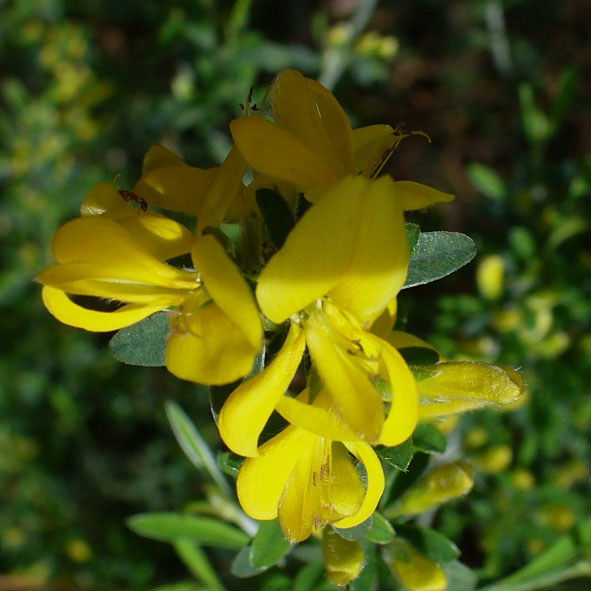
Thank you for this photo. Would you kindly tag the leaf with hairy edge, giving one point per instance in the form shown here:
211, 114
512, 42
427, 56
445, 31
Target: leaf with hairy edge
429, 439
269, 545
143, 343
438, 254
429, 542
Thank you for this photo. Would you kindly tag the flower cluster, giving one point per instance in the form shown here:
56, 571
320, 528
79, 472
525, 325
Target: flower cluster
323, 241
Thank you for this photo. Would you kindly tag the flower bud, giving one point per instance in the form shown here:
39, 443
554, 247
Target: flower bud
489, 277
415, 571
443, 484
494, 459
343, 559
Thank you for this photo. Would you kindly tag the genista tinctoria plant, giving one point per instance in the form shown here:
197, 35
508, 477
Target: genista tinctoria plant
282, 298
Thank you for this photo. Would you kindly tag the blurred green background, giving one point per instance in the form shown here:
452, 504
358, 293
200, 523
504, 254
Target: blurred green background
504, 91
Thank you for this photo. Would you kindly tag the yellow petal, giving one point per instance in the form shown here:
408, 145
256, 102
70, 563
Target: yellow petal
171, 184
411, 196
227, 287
104, 199
273, 151
374, 486
378, 252
372, 147
212, 351
102, 241
160, 236
158, 157
348, 383
66, 311
262, 480
404, 407
383, 324
317, 418
311, 113
248, 408
300, 503
335, 123
452, 387
223, 191
351, 246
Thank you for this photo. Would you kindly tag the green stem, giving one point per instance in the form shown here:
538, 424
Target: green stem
336, 59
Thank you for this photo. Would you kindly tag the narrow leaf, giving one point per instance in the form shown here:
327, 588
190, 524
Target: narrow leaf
438, 254
487, 181
429, 542
170, 527
194, 445
143, 343
429, 439
197, 562
241, 566
269, 545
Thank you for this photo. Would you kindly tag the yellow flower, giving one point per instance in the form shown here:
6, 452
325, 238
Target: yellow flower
311, 144
308, 481
117, 252
342, 264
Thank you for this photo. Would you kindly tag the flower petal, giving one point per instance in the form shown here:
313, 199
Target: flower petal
171, 184
248, 408
66, 311
102, 241
348, 383
262, 480
105, 199
411, 196
273, 151
404, 407
318, 418
227, 287
372, 147
374, 487
378, 253
211, 351
223, 191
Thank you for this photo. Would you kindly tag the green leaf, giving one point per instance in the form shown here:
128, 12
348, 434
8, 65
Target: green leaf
194, 446
429, 439
399, 457
412, 235
561, 552
438, 254
229, 463
143, 343
368, 580
355, 533
309, 576
381, 531
269, 545
429, 542
487, 181
197, 562
241, 566
171, 527
277, 215
459, 576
